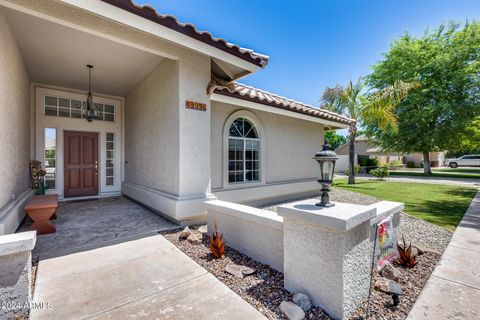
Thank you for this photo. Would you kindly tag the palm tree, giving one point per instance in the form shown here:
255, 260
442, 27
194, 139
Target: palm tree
378, 106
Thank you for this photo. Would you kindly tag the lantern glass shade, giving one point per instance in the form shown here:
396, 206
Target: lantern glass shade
326, 170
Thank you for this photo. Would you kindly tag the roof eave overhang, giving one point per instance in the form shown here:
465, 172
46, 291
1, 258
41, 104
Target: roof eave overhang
229, 99
146, 19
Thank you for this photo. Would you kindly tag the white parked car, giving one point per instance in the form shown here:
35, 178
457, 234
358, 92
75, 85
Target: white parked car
469, 160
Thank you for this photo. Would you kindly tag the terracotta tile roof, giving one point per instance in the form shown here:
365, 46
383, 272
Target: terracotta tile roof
169, 21
244, 92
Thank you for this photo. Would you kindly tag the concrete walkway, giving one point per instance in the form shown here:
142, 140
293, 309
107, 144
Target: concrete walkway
146, 278
428, 180
453, 290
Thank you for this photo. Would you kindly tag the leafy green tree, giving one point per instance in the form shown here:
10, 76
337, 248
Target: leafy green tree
468, 141
441, 113
360, 105
335, 140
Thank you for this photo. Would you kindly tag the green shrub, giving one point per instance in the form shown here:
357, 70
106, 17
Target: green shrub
356, 169
410, 164
380, 172
373, 162
363, 162
393, 165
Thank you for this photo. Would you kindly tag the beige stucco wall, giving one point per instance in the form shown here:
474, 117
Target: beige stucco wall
14, 123
151, 130
167, 147
361, 148
289, 145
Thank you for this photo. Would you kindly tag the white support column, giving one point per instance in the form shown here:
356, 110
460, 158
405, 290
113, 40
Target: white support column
327, 254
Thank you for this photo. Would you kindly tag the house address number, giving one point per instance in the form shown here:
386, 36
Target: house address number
195, 105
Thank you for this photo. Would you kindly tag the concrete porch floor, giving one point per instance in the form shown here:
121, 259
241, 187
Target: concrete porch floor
89, 224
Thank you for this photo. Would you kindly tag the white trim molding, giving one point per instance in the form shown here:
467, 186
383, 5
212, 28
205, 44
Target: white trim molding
124, 17
184, 209
62, 124
258, 106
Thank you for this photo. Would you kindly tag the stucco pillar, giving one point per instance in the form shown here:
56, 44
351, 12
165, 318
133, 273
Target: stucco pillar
194, 138
327, 254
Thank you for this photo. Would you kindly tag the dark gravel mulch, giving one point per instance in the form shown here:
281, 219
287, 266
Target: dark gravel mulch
264, 289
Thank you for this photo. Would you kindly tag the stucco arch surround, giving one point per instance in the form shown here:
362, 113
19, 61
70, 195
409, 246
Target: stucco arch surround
249, 115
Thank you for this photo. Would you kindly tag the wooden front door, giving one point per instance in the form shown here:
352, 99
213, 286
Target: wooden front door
81, 163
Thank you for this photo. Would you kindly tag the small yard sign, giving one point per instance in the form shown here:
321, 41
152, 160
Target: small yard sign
386, 244
195, 105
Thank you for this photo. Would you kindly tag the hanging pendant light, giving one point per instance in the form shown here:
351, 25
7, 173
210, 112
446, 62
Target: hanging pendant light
91, 112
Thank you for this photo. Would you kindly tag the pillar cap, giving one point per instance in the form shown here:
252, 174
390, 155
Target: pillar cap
342, 217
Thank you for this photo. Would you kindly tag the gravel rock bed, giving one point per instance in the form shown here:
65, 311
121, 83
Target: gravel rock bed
423, 233
412, 282
419, 232
263, 289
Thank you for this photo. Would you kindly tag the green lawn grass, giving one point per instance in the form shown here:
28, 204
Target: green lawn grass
436, 174
442, 205
459, 170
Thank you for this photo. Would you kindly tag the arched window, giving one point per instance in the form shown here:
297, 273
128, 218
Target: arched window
243, 152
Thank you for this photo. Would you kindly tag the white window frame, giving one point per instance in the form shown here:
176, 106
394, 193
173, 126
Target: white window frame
244, 141
250, 116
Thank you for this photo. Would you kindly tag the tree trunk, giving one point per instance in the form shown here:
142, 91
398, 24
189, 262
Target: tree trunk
427, 168
351, 155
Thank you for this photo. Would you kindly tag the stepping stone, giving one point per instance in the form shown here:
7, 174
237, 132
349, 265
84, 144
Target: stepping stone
238, 271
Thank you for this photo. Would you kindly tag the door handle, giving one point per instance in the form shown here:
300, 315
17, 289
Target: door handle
96, 168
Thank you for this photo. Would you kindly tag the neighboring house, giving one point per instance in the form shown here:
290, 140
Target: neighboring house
173, 129
367, 149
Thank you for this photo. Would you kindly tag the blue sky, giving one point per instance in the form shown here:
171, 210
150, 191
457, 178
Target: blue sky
314, 44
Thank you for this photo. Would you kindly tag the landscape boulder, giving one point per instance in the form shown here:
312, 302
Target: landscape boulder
388, 286
390, 272
185, 233
303, 301
292, 311
194, 239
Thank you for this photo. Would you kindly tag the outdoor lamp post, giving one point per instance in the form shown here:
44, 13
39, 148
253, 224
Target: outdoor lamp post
326, 160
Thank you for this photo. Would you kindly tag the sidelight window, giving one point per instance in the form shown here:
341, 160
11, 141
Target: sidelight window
110, 157
50, 157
